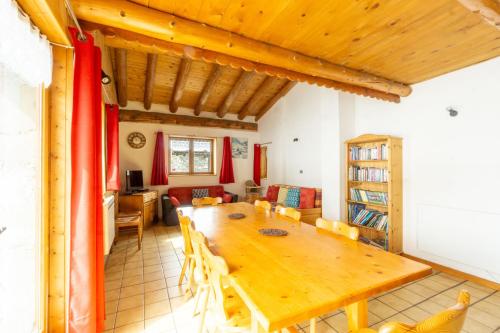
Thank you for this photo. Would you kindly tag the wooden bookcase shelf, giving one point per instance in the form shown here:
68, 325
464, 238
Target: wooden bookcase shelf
393, 163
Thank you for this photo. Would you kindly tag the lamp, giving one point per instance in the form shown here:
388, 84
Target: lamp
105, 79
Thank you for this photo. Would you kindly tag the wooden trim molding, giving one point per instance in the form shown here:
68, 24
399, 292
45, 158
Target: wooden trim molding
153, 23
174, 119
457, 273
121, 76
118, 38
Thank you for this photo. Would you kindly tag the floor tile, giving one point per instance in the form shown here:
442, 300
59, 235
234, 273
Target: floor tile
131, 302
157, 309
130, 316
131, 328
156, 296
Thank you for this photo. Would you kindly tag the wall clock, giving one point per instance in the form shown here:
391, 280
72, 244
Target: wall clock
136, 140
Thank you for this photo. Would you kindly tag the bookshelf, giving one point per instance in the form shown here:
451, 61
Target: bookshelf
374, 189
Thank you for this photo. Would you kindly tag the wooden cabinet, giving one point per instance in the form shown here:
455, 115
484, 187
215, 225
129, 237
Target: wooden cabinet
146, 202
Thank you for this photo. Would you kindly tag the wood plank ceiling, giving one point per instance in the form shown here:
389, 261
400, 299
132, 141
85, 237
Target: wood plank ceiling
398, 42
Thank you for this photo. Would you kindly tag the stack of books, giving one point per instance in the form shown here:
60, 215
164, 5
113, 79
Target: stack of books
368, 174
371, 218
358, 153
369, 196
384, 152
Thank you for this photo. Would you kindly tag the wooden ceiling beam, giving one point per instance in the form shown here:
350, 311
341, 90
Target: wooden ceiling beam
283, 91
251, 104
175, 119
488, 10
119, 38
150, 80
153, 23
121, 76
240, 84
208, 88
180, 83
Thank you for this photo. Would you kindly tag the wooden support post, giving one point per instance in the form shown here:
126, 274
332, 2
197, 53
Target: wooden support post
357, 315
60, 105
180, 83
150, 80
207, 89
286, 88
121, 75
243, 80
174, 119
153, 23
249, 107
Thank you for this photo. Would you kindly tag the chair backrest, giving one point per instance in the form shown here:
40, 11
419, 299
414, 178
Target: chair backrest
216, 269
185, 222
197, 239
288, 211
339, 228
206, 201
447, 321
263, 204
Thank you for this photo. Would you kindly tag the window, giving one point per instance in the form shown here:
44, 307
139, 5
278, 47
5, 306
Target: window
191, 156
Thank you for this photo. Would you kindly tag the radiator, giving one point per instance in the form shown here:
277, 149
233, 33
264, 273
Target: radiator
109, 222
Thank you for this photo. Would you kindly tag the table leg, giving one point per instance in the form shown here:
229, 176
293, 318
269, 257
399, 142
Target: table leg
357, 315
255, 324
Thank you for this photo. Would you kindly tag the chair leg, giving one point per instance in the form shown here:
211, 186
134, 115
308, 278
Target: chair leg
139, 236
312, 326
183, 271
197, 299
191, 273
203, 313
117, 232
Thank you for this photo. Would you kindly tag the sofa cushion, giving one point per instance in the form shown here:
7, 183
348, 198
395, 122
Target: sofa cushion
175, 202
227, 198
293, 197
307, 196
200, 192
185, 194
272, 193
282, 195
318, 200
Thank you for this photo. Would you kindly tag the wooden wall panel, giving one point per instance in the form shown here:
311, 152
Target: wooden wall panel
60, 106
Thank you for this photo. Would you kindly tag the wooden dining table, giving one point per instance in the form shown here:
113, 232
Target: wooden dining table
305, 274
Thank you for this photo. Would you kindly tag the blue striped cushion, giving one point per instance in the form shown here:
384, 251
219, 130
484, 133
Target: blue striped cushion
293, 197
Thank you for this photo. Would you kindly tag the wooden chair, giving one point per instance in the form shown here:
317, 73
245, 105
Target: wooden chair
263, 204
288, 211
206, 201
231, 313
338, 228
447, 321
189, 260
128, 220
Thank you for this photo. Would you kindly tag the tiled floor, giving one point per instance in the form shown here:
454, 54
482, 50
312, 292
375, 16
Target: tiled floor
142, 293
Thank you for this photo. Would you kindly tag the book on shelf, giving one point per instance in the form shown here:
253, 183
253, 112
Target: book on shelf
357, 173
378, 242
368, 217
374, 197
357, 153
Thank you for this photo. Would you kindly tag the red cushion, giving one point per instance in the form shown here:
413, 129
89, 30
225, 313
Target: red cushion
185, 194
307, 196
227, 198
272, 193
175, 201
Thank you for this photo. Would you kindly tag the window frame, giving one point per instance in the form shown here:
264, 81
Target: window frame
191, 171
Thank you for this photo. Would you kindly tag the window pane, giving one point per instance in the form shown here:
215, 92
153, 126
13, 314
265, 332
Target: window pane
179, 155
202, 155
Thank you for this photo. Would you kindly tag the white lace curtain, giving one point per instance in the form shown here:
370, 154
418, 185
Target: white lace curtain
23, 50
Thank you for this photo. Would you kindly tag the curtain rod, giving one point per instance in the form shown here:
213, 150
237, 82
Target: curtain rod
266, 143
71, 13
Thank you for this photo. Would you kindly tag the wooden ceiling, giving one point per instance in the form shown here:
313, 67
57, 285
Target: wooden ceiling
374, 48
407, 41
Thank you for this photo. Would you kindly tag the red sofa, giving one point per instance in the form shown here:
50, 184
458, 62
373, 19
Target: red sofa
185, 194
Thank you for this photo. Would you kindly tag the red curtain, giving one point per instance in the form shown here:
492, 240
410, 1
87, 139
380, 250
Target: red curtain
112, 148
159, 172
86, 289
256, 163
226, 169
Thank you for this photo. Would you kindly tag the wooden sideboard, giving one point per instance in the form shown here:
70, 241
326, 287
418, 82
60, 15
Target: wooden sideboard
146, 202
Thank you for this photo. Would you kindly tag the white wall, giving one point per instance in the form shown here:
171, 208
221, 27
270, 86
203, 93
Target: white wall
311, 115
142, 159
450, 166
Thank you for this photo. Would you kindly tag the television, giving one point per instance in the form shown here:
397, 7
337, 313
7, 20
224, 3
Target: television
134, 180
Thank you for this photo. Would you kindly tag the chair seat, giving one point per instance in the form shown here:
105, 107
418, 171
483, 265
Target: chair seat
129, 214
238, 313
129, 220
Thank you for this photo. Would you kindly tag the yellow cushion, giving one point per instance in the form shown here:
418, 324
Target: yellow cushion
283, 192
